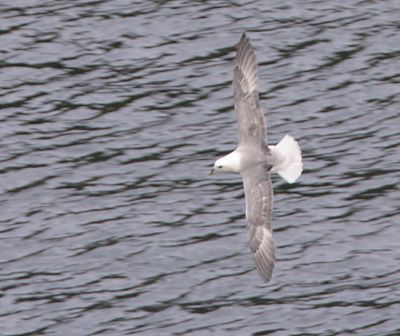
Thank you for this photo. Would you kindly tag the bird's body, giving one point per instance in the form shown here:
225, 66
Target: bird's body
255, 160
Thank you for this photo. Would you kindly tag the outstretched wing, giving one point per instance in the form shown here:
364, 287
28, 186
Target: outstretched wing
256, 181
251, 121
259, 200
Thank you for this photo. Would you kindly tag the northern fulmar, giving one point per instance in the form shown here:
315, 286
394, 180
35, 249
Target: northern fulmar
255, 160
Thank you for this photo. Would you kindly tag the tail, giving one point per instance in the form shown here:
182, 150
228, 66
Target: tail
286, 157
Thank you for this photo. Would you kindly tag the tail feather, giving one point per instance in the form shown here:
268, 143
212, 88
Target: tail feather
287, 161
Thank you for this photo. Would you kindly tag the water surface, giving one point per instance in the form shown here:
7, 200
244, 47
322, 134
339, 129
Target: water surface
112, 113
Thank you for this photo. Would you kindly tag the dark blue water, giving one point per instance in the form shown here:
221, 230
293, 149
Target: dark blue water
112, 112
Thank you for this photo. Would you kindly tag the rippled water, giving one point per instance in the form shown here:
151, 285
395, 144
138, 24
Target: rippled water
111, 114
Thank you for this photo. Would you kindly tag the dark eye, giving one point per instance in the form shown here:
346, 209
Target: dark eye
219, 166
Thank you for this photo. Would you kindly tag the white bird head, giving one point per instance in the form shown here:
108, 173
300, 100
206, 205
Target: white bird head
229, 163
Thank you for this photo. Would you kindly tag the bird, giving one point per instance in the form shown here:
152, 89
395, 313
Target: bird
255, 160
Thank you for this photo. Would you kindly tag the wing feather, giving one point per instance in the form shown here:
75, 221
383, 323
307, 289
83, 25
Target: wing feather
259, 201
251, 121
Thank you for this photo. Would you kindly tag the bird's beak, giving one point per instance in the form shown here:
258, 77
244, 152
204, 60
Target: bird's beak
211, 171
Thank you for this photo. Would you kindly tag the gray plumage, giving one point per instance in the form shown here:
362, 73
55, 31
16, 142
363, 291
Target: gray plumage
256, 159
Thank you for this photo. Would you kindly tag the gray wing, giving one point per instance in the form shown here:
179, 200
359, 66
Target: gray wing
259, 200
249, 115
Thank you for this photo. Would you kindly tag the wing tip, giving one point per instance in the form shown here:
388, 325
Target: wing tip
264, 267
246, 65
244, 39
264, 256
